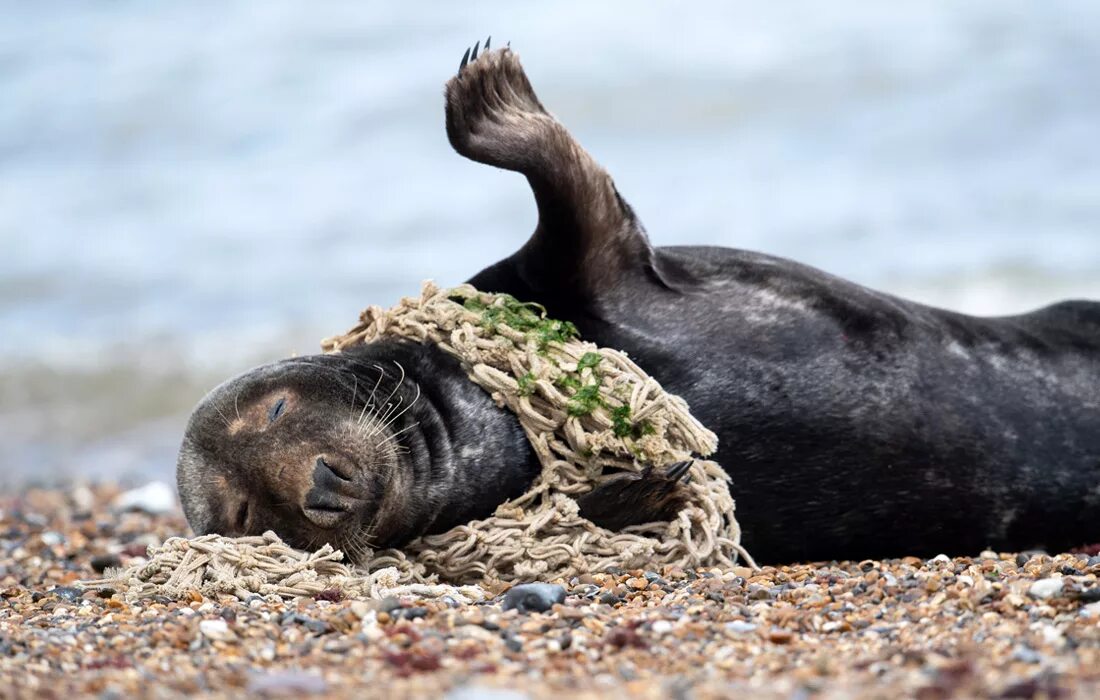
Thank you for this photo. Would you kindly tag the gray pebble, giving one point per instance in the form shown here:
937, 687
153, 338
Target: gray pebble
69, 593
388, 604
317, 626
533, 597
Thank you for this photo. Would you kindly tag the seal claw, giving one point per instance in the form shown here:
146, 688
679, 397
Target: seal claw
677, 470
473, 56
465, 60
487, 40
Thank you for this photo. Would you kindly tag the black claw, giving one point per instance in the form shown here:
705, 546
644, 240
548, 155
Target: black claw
465, 59
677, 470
487, 42
473, 57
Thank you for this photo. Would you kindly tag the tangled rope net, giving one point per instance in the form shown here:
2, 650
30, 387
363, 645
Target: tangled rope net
263, 565
590, 413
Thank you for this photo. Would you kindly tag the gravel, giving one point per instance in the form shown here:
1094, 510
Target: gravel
962, 627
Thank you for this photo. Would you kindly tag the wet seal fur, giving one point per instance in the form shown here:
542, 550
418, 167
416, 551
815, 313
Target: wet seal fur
854, 424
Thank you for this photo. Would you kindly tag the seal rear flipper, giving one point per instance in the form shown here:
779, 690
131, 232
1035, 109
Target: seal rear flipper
587, 236
634, 498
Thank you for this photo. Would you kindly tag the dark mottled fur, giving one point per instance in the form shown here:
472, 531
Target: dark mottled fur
854, 424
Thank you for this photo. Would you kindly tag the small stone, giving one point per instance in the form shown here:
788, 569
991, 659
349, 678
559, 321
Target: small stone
662, 627
68, 593
155, 498
1046, 588
409, 613
286, 683
317, 627
216, 630
387, 604
758, 592
52, 539
941, 559
780, 636
611, 599
533, 597
83, 499
740, 626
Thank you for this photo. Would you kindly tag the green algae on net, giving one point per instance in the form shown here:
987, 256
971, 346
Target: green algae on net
530, 318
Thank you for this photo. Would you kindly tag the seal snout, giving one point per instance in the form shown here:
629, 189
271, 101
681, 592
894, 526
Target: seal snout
332, 500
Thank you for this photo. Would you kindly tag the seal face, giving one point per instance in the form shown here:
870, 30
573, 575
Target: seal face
854, 424
273, 449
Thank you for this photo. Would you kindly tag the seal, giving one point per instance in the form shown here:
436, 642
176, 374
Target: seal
854, 424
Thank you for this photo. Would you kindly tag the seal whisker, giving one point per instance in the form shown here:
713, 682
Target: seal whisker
397, 386
404, 411
394, 436
370, 399
383, 420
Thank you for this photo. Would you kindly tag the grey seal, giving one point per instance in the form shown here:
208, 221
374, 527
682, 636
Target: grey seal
854, 424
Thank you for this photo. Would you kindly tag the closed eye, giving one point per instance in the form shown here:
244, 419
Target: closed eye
276, 410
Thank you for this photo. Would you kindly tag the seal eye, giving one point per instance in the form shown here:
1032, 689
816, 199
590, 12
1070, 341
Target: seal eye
276, 410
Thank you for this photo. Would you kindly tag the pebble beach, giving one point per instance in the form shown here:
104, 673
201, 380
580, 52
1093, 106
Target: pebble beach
1004, 625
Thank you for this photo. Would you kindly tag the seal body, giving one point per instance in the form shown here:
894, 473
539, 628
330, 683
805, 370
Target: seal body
854, 424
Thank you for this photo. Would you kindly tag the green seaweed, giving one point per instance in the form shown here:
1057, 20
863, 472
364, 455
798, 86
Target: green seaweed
589, 360
524, 317
530, 318
623, 426
620, 421
586, 400
526, 384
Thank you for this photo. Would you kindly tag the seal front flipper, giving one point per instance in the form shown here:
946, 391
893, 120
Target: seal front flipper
633, 498
587, 236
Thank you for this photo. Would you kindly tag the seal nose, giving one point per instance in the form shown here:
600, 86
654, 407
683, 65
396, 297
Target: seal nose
329, 503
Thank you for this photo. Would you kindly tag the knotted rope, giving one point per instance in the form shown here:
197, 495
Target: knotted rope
263, 565
590, 413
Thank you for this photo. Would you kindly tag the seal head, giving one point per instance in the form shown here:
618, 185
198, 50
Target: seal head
276, 448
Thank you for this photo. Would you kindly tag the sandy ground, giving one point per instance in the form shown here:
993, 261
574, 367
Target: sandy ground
1006, 625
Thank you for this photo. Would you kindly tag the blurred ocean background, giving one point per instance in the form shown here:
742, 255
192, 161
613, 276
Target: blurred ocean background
189, 189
